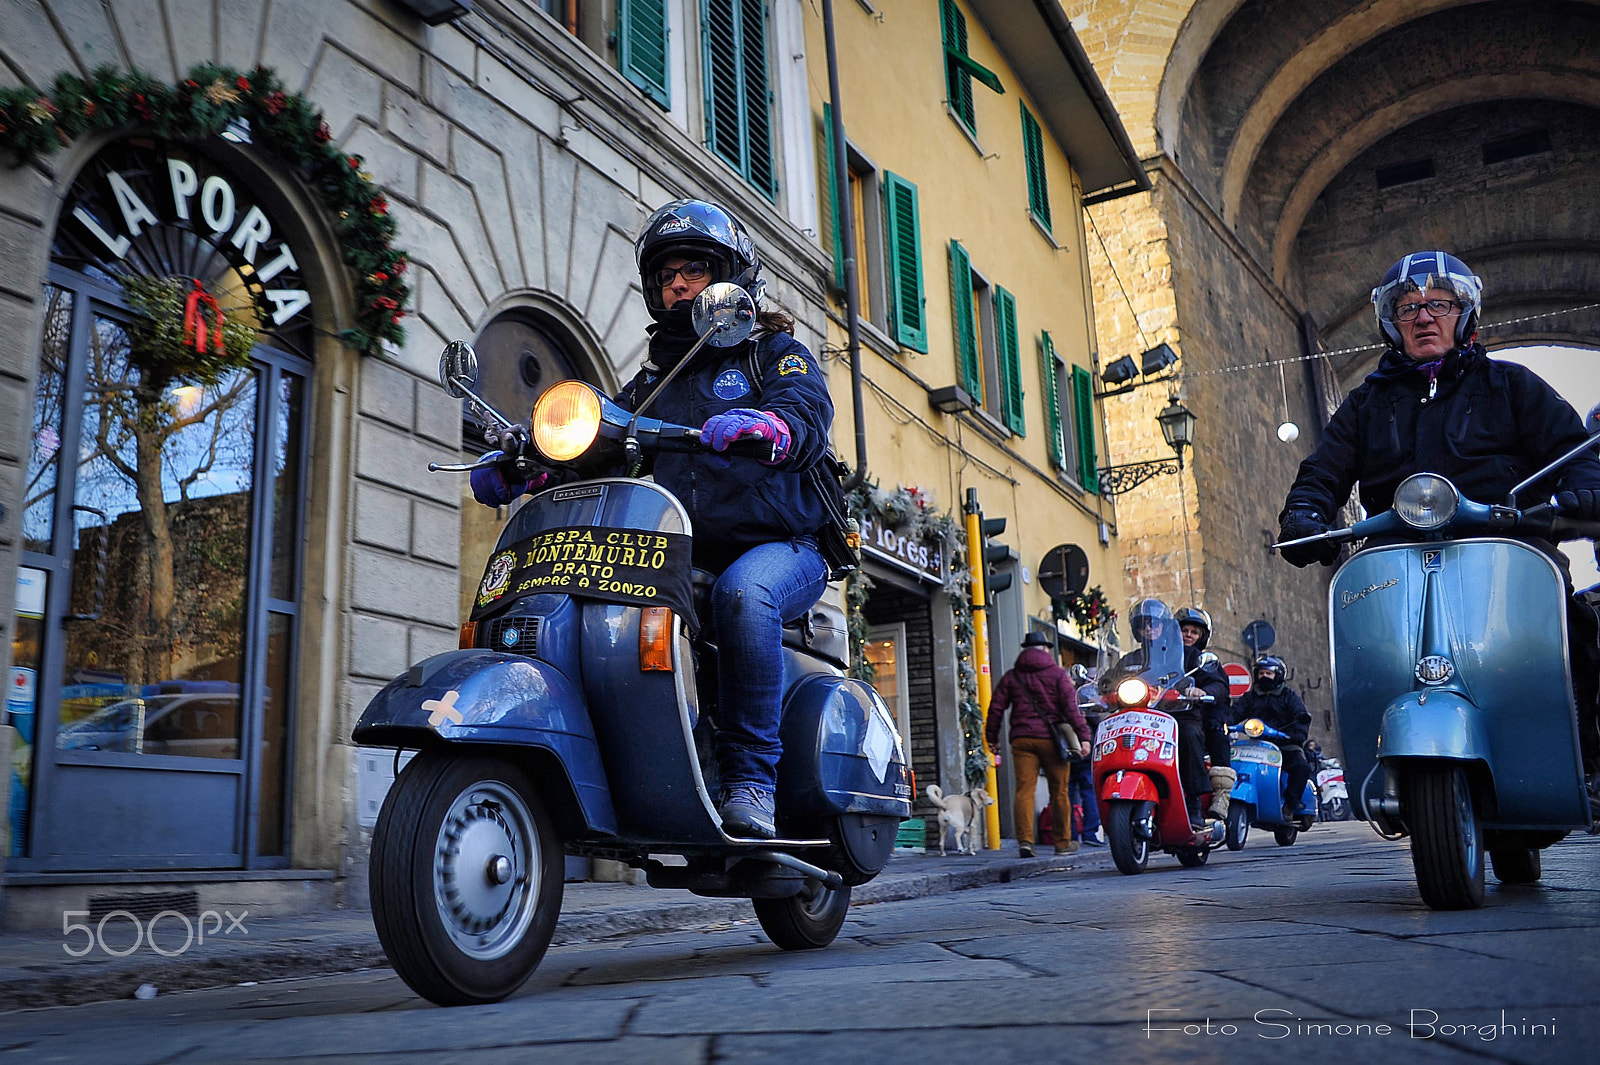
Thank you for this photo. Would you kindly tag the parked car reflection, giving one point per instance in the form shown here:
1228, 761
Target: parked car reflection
188, 724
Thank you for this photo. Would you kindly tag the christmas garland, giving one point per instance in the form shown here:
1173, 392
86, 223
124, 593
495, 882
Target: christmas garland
283, 123
911, 509
1088, 608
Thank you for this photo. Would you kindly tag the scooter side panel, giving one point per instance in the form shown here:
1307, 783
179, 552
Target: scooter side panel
841, 753
485, 697
1500, 619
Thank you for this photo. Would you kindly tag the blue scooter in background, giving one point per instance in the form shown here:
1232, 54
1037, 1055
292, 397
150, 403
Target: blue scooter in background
1452, 684
573, 718
1258, 798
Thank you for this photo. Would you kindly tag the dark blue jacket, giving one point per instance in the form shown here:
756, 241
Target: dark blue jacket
736, 503
1282, 709
1488, 425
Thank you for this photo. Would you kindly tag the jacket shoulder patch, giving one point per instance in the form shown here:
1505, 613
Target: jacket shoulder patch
794, 362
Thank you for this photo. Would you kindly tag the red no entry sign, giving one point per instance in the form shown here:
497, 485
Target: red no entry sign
1238, 678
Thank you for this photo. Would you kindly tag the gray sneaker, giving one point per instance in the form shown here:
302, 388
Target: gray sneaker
747, 810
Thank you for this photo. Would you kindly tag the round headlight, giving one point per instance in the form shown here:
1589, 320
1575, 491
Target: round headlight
1132, 691
1254, 727
1426, 500
566, 420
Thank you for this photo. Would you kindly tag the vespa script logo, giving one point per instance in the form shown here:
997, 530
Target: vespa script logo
1355, 597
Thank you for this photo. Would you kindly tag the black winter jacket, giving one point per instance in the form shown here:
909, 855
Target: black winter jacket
735, 502
1489, 425
1283, 710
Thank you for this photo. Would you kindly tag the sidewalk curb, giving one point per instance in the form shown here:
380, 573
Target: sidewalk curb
74, 982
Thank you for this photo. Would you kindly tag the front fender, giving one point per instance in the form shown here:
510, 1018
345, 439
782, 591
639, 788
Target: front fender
1134, 787
486, 697
1433, 724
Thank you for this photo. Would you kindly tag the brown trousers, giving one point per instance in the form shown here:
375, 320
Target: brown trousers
1027, 754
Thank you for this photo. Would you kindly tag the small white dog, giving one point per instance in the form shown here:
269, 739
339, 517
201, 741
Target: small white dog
961, 814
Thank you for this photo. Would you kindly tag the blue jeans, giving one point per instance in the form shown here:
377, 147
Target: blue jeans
765, 587
1081, 790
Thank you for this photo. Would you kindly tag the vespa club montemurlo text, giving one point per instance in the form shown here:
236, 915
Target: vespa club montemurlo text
575, 717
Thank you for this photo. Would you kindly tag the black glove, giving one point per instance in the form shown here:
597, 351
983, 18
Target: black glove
1583, 504
1301, 523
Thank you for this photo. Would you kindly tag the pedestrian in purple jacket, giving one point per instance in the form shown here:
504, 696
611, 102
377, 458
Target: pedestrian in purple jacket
1039, 695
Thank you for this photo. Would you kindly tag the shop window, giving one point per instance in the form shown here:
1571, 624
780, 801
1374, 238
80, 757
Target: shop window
885, 648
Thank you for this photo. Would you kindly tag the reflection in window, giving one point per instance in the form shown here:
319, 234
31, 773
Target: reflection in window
39, 492
161, 551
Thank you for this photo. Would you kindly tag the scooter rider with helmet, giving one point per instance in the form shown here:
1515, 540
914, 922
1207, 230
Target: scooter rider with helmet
1152, 623
1281, 708
1438, 403
1195, 624
755, 522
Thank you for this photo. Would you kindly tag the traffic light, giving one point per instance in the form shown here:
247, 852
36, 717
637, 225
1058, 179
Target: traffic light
993, 554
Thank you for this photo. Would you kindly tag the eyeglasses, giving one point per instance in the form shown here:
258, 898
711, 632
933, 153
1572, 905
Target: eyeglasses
695, 271
1407, 312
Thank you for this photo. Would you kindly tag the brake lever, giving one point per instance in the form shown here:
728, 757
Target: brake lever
491, 459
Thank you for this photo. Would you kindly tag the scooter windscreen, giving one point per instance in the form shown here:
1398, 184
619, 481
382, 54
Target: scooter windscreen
1157, 658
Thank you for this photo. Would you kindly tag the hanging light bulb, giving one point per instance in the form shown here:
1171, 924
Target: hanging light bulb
1288, 432
187, 399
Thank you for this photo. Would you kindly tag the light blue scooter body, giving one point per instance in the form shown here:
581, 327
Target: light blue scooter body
1494, 609
1259, 765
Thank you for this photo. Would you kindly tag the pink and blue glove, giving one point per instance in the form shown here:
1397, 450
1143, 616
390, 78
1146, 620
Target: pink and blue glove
742, 423
498, 486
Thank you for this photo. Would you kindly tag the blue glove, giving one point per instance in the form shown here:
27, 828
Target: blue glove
1300, 523
742, 423
498, 486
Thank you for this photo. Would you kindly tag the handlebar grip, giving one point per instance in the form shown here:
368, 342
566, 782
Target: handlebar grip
761, 450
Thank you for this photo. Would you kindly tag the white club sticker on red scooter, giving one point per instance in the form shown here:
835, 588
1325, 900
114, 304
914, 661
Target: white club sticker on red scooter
1141, 724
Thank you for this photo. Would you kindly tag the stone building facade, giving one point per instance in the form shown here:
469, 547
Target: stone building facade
1295, 151
518, 157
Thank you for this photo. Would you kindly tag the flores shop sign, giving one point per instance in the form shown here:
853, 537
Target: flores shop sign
164, 210
890, 544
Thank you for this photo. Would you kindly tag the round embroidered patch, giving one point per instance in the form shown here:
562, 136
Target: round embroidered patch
730, 384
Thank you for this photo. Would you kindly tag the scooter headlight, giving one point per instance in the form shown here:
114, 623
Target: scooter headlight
1132, 692
1426, 501
566, 420
1254, 727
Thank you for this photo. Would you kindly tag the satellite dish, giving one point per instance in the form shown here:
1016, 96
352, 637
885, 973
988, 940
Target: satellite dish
1064, 571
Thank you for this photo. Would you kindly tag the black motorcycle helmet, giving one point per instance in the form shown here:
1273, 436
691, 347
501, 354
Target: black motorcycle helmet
1148, 614
1269, 674
696, 229
1193, 615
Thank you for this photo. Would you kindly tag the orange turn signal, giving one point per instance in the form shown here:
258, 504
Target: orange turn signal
655, 639
469, 635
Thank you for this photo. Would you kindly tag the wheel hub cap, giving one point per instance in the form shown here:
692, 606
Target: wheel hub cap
486, 870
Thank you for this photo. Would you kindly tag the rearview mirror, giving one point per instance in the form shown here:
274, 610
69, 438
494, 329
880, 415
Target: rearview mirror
724, 314
1208, 659
457, 362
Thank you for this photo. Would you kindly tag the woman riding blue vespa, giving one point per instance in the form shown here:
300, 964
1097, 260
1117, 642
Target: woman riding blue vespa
755, 522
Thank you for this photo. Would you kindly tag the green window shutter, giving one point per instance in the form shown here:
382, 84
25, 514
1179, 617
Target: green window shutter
1052, 402
1005, 321
966, 333
833, 205
1033, 156
642, 47
1083, 408
908, 305
958, 81
738, 88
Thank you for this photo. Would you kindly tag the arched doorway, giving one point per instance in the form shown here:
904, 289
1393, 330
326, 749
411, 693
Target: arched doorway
162, 523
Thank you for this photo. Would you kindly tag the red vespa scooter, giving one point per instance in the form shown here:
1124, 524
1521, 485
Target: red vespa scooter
1136, 755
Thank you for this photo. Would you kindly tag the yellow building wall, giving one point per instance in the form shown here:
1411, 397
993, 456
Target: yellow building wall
892, 87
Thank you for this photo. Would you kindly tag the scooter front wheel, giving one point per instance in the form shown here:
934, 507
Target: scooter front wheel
1446, 836
1238, 826
466, 877
806, 921
1129, 850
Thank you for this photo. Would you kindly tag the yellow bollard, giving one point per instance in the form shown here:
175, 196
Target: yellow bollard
980, 655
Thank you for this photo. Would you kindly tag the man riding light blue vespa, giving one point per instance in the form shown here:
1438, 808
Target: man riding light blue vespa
1438, 403
755, 522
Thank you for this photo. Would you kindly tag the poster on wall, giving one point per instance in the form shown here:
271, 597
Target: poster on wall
21, 701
